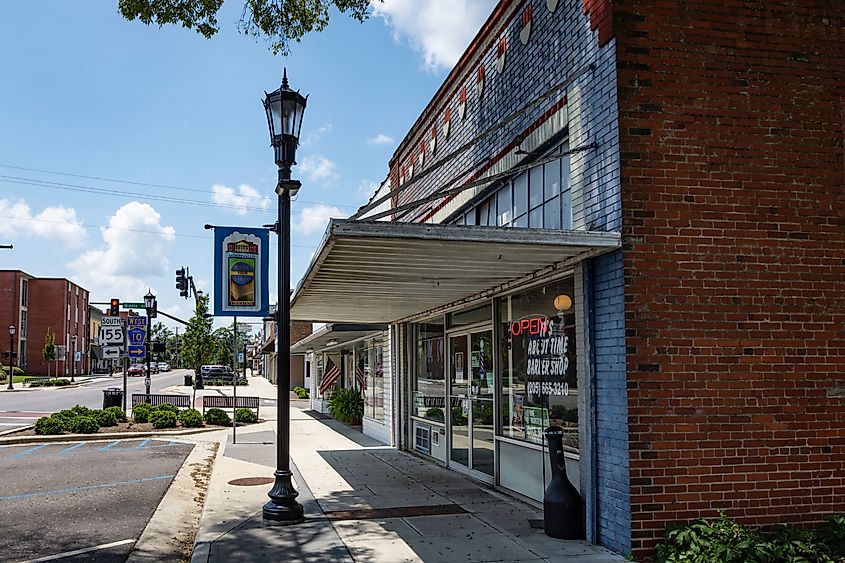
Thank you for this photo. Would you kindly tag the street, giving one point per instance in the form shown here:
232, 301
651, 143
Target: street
22, 408
95, 498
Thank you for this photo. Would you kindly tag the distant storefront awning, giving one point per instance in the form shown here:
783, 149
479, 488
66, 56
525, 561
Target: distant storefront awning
269, 347
335, 335
379, 271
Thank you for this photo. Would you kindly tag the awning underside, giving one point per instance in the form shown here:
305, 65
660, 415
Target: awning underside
378, 272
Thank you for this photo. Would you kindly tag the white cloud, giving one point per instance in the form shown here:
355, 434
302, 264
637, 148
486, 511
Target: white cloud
367, 188
56, 224
134, 250
380, 139
312, 136
314, 218
244, 199
318, 168
439, 29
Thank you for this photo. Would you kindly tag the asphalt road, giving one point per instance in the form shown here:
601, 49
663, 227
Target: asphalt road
23, 407
61, 498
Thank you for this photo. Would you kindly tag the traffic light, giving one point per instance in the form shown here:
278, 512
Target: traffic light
182, 282
114, 310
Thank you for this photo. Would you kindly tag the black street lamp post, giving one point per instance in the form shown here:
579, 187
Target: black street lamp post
284, 108
150, 305
73, 359
11, 354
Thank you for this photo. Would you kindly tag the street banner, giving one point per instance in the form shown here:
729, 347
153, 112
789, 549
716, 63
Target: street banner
241, 265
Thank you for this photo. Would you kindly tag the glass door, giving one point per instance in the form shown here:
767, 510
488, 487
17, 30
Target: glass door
471, 391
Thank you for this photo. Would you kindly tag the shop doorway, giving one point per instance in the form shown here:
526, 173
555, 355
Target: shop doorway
471, 413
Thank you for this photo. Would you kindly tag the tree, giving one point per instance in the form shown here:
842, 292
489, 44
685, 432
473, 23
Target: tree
280, 22
49, 350
198, 344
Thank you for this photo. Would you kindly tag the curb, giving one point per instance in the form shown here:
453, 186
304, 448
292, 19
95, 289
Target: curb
104, 436
14, 430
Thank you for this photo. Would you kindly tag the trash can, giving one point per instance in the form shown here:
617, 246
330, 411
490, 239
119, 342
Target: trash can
112, 397
189, 380
562, 501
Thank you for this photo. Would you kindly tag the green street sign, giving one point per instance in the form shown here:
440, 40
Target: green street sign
131, 305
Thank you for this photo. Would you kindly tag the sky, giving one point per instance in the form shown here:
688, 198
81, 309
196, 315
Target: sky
119, 141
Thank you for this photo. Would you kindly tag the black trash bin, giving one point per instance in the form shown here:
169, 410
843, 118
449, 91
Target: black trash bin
189, 380
112, 397
562, 502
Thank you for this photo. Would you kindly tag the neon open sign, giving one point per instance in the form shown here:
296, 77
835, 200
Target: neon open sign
532, 326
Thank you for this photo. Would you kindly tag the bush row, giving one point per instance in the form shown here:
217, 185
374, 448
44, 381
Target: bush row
50, 383
79, 420
723, 540
221, 382
301, 392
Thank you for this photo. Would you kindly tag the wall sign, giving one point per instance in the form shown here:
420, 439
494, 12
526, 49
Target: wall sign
549, 352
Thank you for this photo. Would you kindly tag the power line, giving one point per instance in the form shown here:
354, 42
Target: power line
136, 183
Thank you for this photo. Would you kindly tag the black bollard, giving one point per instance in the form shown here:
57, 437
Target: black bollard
562, 502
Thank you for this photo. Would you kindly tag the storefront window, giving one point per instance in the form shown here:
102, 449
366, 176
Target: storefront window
539, 367
369, 375
471, 316
429, 385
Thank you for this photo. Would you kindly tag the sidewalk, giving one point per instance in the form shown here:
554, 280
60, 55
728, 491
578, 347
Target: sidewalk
364, 502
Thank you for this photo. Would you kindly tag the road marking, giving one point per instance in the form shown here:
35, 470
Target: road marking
79, 551
86, 488
142, 444
29, 451
71, 448
110, 446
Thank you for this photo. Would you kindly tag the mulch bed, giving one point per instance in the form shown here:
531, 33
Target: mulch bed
131, 427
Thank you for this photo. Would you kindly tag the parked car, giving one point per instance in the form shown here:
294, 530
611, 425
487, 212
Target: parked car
212, 372
163, 366
153, 367
136, 369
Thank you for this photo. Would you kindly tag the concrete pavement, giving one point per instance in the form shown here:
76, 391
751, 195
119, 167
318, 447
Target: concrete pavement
363, 502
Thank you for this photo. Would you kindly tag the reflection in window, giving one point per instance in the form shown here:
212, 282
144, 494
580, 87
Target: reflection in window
369, 376
429, 385
539, 364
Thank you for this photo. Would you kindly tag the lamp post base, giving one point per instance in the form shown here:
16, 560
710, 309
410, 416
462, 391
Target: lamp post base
282, 509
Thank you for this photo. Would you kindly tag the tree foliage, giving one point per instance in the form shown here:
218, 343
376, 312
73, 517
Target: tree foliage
198, 344
280, 22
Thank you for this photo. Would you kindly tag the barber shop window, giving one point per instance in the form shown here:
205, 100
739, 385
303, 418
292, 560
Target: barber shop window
539, 363
369, 376
429, 382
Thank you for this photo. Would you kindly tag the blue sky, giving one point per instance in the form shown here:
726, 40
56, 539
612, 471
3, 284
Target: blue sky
176, 116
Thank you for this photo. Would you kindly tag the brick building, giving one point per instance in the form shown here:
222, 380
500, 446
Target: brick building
38, 305
626, 220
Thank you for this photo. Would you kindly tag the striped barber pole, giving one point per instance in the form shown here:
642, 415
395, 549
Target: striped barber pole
329, 378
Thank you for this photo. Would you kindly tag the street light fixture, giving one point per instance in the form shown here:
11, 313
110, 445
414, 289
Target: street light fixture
284, 108
73, 359
11, 349
150, 305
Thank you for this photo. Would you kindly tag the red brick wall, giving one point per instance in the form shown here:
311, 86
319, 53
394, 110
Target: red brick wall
731, 139
9, 309
48, 309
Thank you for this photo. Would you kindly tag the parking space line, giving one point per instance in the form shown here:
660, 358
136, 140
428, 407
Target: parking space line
29, 451
110, 446
86, 487
80, 551
142, 444
71, 448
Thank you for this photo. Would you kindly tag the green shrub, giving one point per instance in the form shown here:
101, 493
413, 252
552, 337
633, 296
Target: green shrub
49, 425
217, 417
724, 540
16, 372
141, 412
458, 416
163, 419
246, 416
79, 410
83, 425
105, 418
301, 392
167, 407
242, 381
347, 405
58, 382
65, 416
118, 413
832, 534
190, 418
435, 414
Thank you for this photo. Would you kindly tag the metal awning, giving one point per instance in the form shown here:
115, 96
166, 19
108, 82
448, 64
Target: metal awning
269, 347
379, 271
335, 335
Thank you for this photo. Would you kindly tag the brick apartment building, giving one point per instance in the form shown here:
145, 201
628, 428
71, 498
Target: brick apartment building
36, 305
662, 183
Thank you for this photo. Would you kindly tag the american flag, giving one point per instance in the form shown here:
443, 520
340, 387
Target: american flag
329, 377
361, 377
